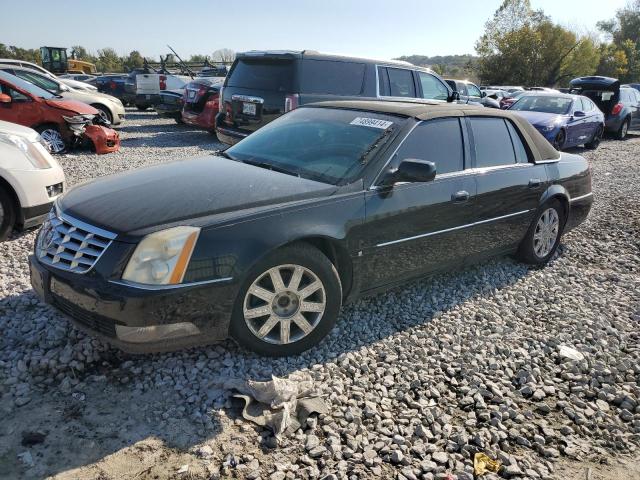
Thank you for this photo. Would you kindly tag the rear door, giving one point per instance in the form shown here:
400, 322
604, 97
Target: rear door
256, 90
509, 185
413, 228
321, 80
634, 103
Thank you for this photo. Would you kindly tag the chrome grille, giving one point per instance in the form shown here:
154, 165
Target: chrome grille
70, 244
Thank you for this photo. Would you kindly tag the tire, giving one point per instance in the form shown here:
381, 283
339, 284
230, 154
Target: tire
142, 108
104, 112
268, 313
179, 120
537, 247
595, 140
7, 214
621, 134
560, 140
53, 138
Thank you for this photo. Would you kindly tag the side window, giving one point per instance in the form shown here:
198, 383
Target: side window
579, 106
383, 82
401, 83
332, 77
15, 95
432, 87
492, 141
473, 90
461, 88
439, 141
518, 145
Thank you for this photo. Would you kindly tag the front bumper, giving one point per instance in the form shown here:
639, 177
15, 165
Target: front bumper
102, 308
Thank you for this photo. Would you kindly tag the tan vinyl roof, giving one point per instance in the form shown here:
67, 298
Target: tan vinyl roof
426, 110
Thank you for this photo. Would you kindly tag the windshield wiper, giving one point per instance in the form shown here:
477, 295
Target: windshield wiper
269, 166
374, 145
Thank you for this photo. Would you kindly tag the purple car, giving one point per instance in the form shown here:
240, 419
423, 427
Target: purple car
565, 120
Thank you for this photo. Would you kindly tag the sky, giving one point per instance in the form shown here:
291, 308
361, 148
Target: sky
371, 28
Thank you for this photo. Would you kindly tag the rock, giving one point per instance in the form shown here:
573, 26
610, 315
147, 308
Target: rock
205, 451
397, 456
311, 442
440, 457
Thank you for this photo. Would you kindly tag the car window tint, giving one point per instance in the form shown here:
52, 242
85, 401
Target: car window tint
331, 77
383, 82
15, 95
492, 142
473, 90
516, 139
401, 83
457, 86
432, 87
439, 141
262, 74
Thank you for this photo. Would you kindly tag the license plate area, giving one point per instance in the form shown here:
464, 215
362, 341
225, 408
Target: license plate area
249, 108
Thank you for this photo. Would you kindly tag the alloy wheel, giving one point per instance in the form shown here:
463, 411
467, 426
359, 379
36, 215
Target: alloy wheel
624, 130
546, 232
53, 139
284, 304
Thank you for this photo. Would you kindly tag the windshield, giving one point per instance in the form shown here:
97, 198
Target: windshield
323, 144
24, 85
546, 104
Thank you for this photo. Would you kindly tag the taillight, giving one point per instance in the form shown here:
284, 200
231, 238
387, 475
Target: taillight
291, 102
112, 85
617, 108
215, 98
163, 82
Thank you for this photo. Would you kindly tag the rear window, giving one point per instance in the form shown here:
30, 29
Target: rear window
331, 77
261, 74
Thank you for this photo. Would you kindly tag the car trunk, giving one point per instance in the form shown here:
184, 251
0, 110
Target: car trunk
198, 94
257, 89
603, 91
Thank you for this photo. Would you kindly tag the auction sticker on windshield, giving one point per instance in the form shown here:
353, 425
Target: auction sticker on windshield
371, 122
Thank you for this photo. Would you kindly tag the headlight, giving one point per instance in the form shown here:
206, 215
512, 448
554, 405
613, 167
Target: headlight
79, 119
37, 155
162, 258
548, 128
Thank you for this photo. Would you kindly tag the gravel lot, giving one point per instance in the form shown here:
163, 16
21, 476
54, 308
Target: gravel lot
418, 380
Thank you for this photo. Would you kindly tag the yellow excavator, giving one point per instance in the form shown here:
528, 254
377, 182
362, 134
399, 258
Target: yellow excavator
56, 61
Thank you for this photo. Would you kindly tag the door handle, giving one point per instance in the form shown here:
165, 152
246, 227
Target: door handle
535, 183
460, 197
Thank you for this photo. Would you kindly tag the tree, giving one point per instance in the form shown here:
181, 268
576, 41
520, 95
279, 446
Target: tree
622, 58
134, 60
108, 61
198, 58
82, 53
523, 46
223, 55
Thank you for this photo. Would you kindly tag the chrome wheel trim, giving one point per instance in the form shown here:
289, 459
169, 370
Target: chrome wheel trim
53, 139
546, 232
625, 129
103, 115
284, 304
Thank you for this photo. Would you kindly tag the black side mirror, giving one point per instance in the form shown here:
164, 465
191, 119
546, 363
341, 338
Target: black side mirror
578, 113
455, 96
412, 170
483, 94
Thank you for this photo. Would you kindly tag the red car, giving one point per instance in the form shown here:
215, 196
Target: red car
61, 123
201, 102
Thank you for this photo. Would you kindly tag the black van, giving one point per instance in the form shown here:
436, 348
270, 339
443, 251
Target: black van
262, 85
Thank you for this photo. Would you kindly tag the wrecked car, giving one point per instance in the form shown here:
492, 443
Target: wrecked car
62, 124
201, 102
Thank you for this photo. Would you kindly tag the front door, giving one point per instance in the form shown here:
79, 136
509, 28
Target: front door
414, 228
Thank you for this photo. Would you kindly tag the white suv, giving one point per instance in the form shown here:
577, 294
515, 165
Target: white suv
30, 179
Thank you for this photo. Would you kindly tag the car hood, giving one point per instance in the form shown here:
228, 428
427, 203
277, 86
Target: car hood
87, 97
14, 129
183, 192
72, 106
540, 118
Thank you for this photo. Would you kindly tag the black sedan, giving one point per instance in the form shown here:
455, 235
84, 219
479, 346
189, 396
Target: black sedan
266, 240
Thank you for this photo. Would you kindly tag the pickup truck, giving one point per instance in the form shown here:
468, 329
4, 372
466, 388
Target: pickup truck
149, 86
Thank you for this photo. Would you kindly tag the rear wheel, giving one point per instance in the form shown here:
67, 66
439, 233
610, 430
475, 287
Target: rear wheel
621, 134
288, 302
141, 107
558, 143
543, 236
7, 214
595, 140
52, 138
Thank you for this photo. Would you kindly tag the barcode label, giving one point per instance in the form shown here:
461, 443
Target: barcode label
371, 122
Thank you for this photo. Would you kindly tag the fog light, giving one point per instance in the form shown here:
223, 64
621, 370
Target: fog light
156, 333
55, 190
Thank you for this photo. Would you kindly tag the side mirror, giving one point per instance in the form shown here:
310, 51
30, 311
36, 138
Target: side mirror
483, 94
4, 98
412, 170
578, 113
455, 96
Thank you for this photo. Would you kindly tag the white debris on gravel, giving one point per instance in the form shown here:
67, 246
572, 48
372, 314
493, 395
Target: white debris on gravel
418, 379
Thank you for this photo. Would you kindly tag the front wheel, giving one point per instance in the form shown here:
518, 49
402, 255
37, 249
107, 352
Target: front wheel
543, 236
558, 142
52, 138
288, 302
104, 113
7, 214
